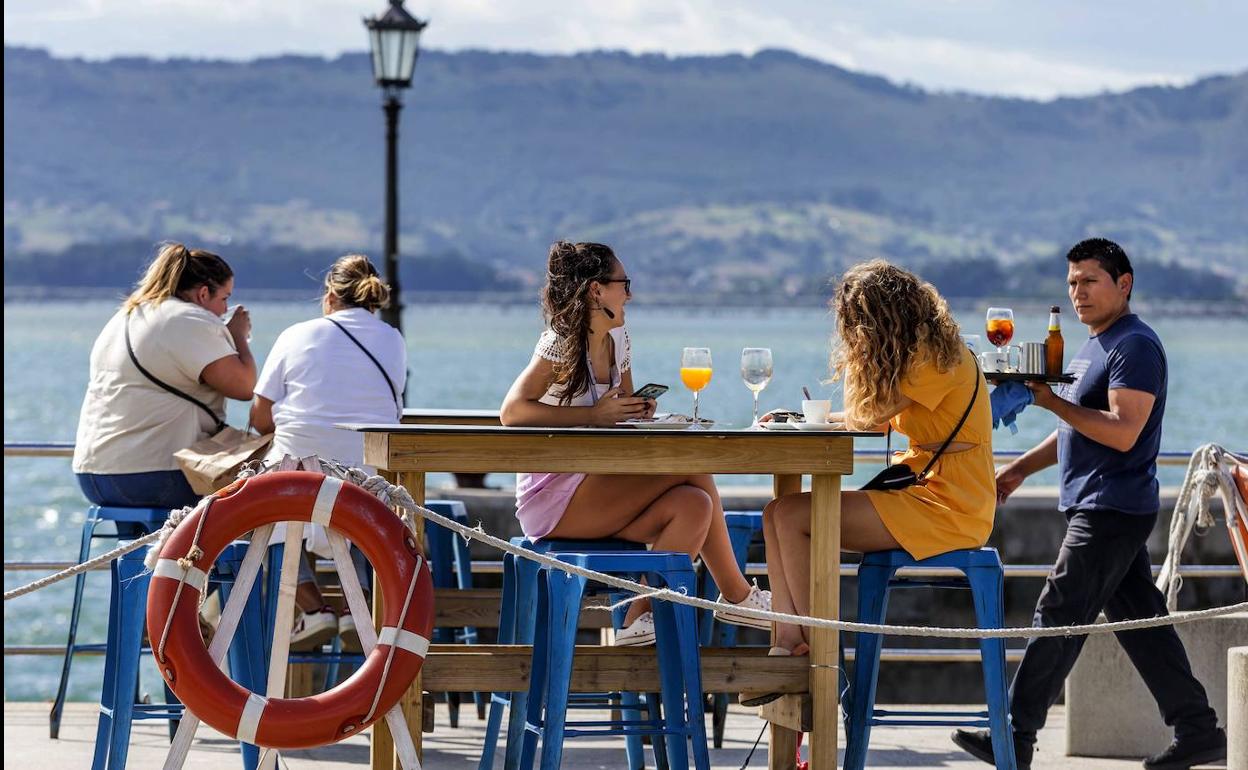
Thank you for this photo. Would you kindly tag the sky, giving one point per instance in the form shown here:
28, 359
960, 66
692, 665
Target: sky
1029, 48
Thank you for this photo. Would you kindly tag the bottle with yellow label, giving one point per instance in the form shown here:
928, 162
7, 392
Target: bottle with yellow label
1054, 347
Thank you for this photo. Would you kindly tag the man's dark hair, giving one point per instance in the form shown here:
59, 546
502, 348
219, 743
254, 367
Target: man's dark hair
1107, 254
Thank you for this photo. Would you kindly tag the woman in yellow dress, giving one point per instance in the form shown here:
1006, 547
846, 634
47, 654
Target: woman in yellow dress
903, 364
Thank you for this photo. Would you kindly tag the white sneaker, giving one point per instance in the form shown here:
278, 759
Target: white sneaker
639, 633
346, 630
756, 599
313, 629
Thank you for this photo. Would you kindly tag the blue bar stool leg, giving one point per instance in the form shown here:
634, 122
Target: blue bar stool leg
132, 582
872, 606
566, 591
526, 749
672, 686
506, 635
463, 579
987, 589
75, 610
248, 657
526, 610
108, 692
631, 706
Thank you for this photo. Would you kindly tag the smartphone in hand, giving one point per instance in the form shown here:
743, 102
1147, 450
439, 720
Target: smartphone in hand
650, 390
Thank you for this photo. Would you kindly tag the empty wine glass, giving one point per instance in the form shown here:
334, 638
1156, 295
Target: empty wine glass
695, 373
756, 371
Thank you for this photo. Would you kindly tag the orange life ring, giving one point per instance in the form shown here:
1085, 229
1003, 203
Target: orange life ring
293, 723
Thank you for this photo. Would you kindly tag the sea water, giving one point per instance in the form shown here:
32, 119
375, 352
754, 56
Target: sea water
466, 356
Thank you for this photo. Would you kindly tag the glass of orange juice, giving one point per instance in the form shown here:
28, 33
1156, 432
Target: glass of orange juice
695, 372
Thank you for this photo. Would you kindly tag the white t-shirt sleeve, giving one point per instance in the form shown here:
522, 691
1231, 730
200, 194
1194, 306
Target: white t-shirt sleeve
194, 340
271, 383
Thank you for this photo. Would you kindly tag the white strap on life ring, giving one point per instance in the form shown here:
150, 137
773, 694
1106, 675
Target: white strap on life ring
323, 508
404, 640
169, 568
249, 722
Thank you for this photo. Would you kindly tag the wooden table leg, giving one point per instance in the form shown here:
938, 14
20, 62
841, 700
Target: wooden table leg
825, 602
782, 751
382, 755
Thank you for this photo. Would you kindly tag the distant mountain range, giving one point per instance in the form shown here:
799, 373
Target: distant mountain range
768, 172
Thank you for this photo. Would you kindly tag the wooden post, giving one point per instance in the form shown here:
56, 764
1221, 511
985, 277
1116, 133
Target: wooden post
411, 702
825, 602
782, 752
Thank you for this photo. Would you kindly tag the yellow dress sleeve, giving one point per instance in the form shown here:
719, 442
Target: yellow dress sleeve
927, 386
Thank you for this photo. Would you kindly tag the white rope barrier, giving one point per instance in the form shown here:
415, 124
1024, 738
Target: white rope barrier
397, 496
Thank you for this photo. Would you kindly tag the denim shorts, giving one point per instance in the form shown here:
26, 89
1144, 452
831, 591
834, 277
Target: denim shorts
154, 489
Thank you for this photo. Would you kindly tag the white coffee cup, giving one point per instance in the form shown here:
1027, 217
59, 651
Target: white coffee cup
993, 361
816, 410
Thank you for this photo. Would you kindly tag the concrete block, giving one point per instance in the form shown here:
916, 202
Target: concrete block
1109, 711
1237, 708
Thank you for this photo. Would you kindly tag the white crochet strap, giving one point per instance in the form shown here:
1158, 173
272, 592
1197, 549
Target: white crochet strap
404, 640
323, 508
169, 568
249, 722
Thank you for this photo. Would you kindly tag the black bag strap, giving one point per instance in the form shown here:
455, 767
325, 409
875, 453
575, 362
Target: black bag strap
923, 473
394, 394
130, 349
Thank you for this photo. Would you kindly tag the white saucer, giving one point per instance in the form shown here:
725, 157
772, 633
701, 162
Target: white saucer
778, 425
819, 426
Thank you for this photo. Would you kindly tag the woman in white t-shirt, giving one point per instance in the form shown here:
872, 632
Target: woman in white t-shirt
581, 374
169, 327
347, 366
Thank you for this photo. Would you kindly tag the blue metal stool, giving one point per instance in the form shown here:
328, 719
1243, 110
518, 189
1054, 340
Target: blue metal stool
559, 604
982, 574
742, 526
131, 524
516, 623
451, 565
127, 615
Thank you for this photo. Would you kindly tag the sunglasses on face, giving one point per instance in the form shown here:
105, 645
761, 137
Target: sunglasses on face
628, 284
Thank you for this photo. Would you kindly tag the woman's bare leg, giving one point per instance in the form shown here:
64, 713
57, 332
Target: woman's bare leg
716, 552
862, 530
661, 510
788, 635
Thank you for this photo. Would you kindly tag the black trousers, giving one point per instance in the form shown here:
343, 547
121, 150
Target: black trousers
1104, 565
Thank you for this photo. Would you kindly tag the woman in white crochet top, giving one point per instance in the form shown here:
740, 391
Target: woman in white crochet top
581, 374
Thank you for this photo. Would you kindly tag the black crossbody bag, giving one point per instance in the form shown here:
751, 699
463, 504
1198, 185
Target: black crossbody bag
219, 423
394, 394
895, 477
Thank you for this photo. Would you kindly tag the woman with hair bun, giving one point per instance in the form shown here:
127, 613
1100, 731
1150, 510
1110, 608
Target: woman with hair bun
347, 366
905, 365
581, 374
169, 328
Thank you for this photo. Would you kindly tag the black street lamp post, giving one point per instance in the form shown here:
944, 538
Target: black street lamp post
394, 38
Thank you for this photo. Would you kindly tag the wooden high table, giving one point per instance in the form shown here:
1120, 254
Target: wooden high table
411, 450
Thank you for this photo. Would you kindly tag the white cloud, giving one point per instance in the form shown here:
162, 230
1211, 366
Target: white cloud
247, 28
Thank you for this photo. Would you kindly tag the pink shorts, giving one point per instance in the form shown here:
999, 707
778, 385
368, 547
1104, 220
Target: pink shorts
542, 499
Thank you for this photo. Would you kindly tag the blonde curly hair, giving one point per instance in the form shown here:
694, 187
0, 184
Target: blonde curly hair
887, 320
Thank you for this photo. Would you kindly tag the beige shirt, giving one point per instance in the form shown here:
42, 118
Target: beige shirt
128, 424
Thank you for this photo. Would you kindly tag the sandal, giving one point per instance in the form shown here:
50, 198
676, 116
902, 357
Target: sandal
753, 698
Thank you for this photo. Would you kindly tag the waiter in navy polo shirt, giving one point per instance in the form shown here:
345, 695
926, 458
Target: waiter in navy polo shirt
1109, 432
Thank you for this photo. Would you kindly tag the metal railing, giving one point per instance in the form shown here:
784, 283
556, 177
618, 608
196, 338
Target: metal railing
486, 567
